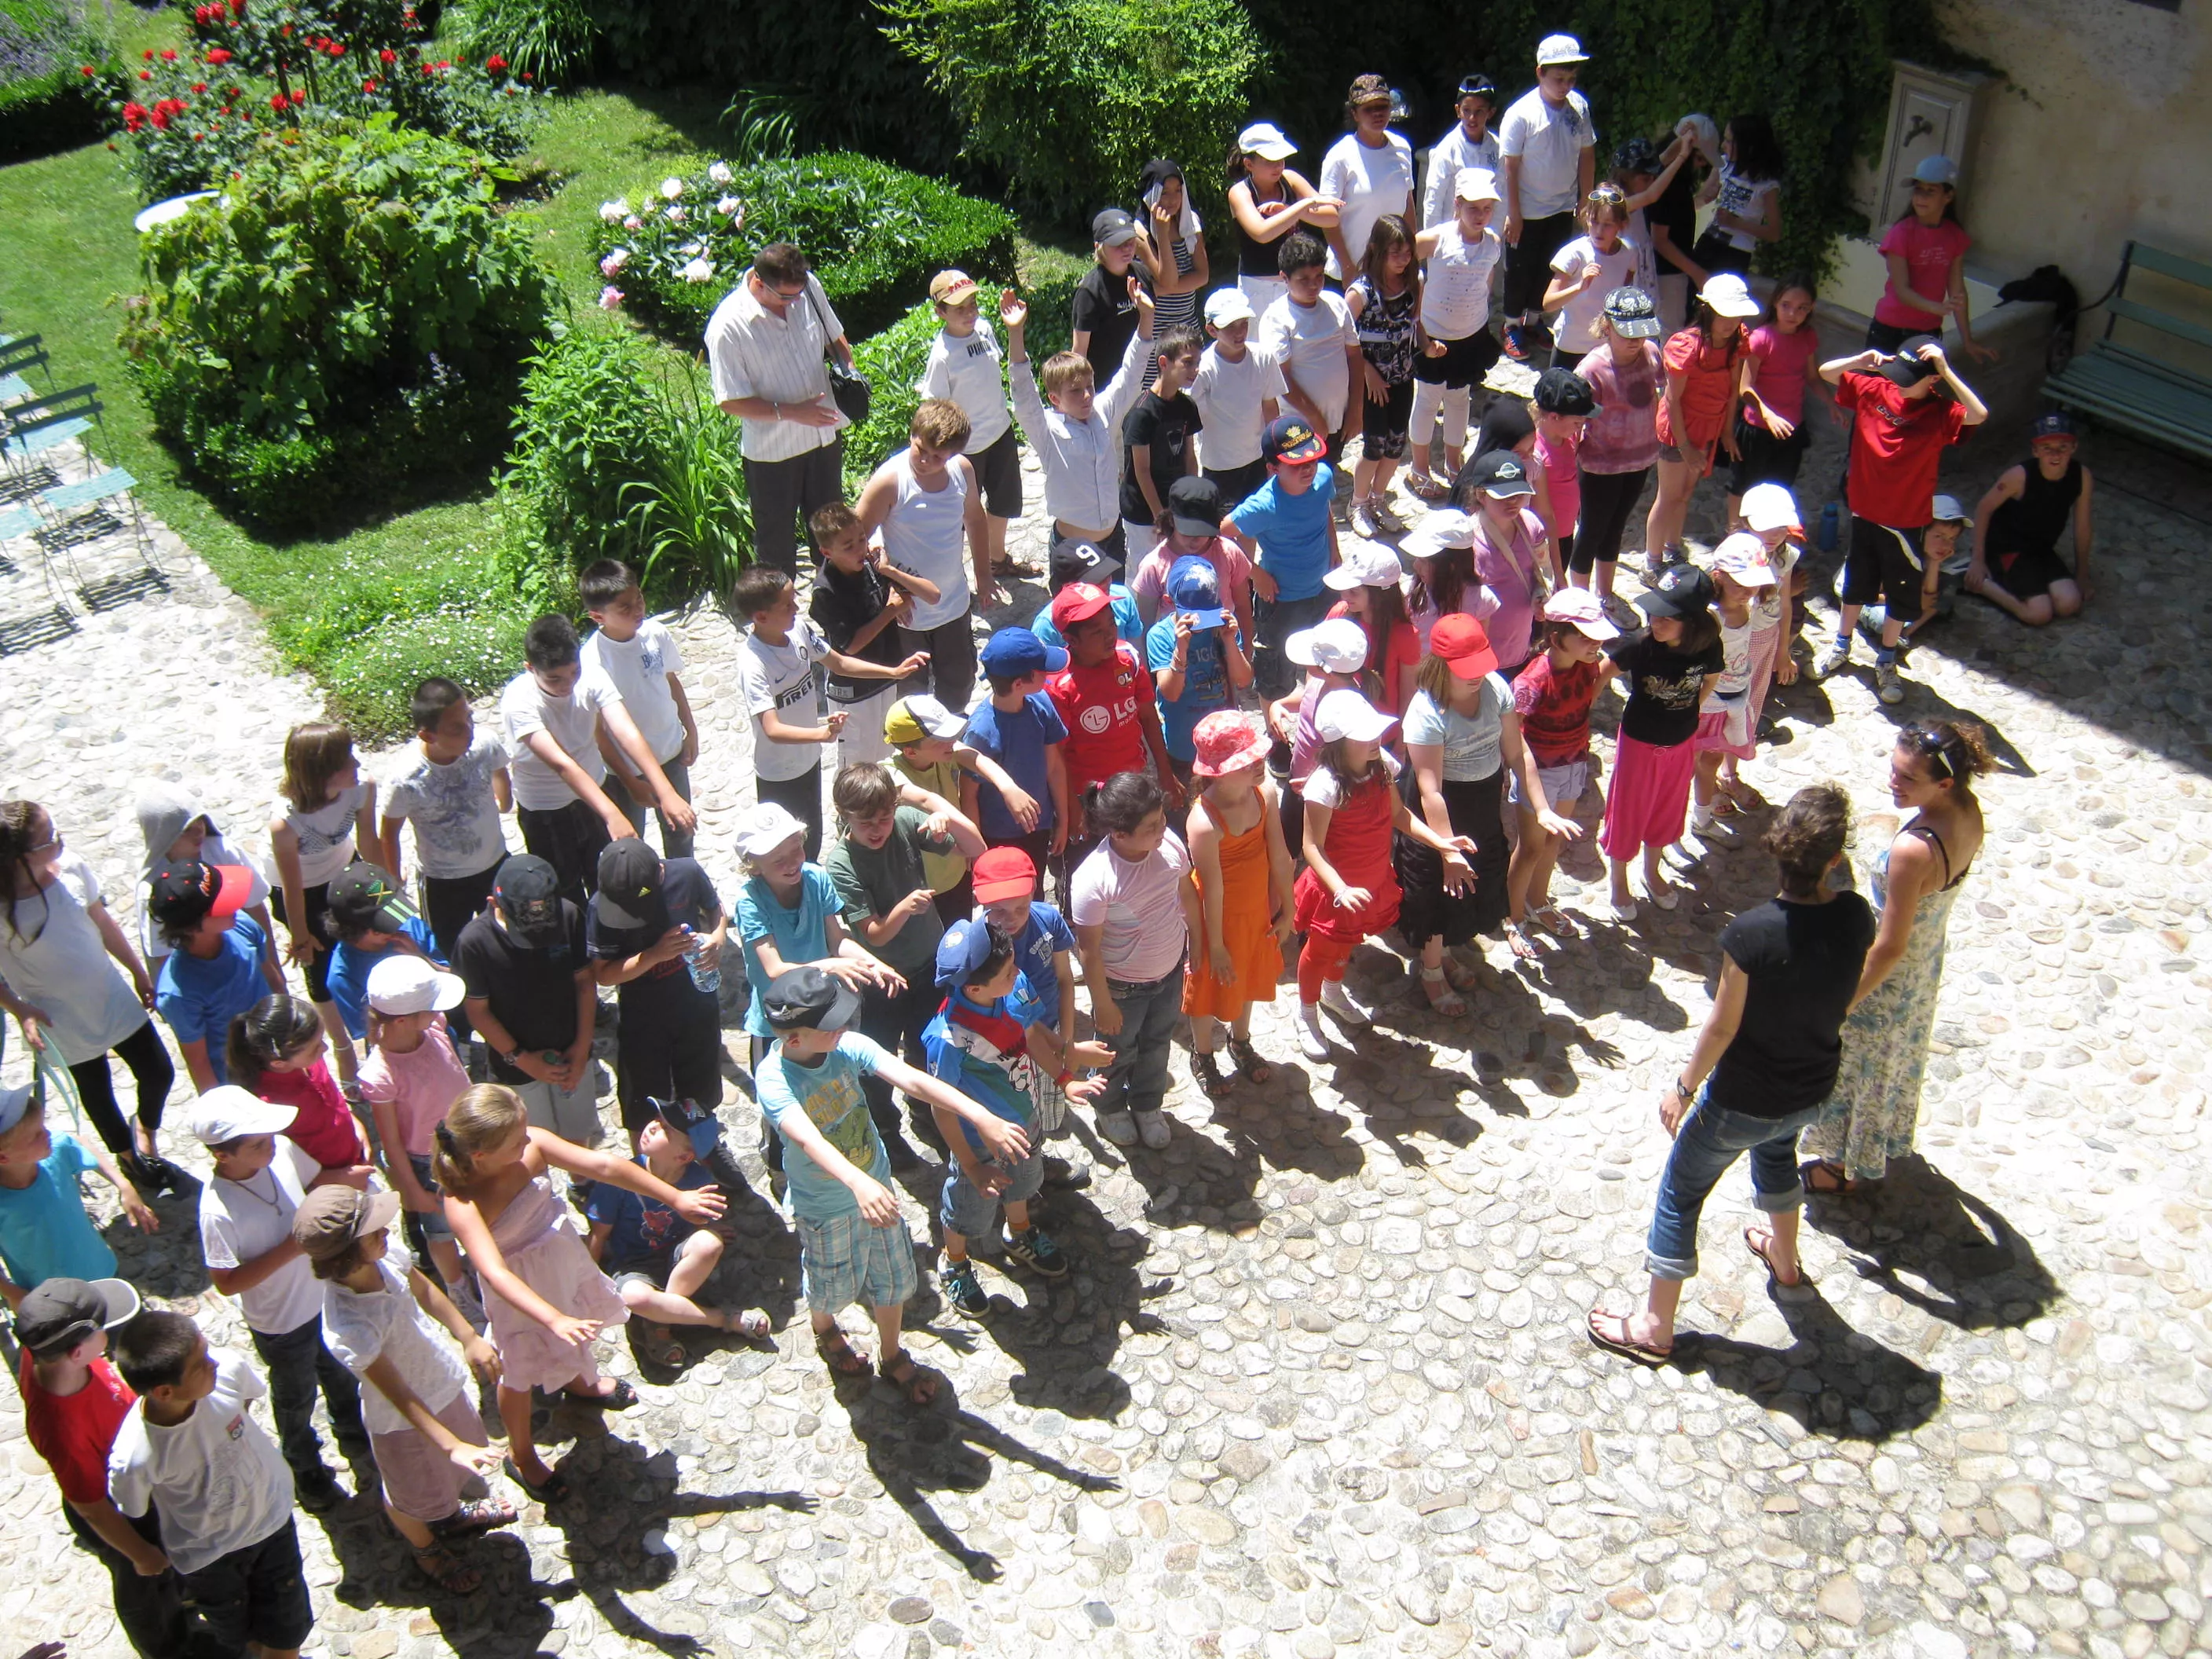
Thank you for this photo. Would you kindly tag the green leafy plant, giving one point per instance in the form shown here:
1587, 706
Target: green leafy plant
549, 41
875, 232
588, 422
690, 507
55, 65
1069, 98
893, 361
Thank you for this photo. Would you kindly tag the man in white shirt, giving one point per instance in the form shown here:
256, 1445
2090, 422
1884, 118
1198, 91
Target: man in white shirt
765, 344
1549, 147
1470, 143
1238, 391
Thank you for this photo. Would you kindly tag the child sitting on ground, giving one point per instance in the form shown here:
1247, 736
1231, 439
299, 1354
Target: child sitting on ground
451, 784
2017, 526
860, 601
44, 1232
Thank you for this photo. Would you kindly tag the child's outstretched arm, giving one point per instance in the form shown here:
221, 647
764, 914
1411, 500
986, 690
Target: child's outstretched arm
1006, 1143
141, 1215
384, 1377
878, 1204
699, 1206
430, 1296
474, 1236
675, 810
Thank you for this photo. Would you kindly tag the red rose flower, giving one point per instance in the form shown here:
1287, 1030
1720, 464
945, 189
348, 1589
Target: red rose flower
368, 86
145, 75
276, 102
150, 54
238, 7
199, 86
159, 116
387, 56
299, 98
527, 76
494, 62
168, 54
134, 117
88, 71
218, 56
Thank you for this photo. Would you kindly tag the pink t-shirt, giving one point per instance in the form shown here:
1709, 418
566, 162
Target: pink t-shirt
1232, 575
1779, 367
420, 1085
1563, 473
1138, 905
1928, 251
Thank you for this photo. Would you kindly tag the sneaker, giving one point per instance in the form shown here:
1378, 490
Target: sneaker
1152, 1129
1034, 1248
1831, 660
1313, 1042
957, 1280
1674, 553
1886, 685
1515, 340
1120, 1127
1341, 1003
1386, 521
1064, 1174
1363, 521
317, 1488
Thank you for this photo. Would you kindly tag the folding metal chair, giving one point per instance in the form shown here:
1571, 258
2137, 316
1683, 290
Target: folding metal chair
35, 425
19, 352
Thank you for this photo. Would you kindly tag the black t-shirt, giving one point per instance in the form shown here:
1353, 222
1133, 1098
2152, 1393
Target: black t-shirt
532, 992
1103, 305
666, 991
843, 604
1802, 963
1664, 686
1677, 209
1165, 425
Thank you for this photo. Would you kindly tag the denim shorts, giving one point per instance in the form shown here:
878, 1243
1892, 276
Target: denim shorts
968, 1211
432, 1222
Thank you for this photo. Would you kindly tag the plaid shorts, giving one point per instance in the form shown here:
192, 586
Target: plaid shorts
844, 1260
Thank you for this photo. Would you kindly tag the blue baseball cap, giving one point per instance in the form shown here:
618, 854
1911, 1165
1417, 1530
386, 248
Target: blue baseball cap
965, 947
2053, 423
1012, 653
1193, 587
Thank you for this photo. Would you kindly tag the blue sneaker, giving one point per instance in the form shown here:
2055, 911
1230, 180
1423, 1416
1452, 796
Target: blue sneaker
1034, 1250
962, 1289
1516, 343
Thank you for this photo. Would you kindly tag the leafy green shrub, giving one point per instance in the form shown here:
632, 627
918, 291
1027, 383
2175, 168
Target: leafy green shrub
893, 361
588, 423
262, 35
1069, 98
549, 41
876, 234
353, 315
48, 101
690, 506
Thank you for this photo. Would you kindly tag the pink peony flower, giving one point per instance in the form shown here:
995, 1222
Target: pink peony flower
611, 299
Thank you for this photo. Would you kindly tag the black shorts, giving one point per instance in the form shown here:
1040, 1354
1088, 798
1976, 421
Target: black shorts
449, 903
569, 838
1713, 252
1464, 361
999, 471
1383, 426
317, 899
2027, 573
1888, 337
1883, 563
1235, 482
1766, 458
1529, 262
257, 1594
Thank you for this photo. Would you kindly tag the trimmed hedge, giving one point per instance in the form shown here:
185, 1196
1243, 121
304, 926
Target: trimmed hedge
47, 103
875, 235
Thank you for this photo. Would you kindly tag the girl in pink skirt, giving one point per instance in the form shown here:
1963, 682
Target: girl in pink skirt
1670, 668
1744, 580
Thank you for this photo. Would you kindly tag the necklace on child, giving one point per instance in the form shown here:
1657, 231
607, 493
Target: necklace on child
277, 1192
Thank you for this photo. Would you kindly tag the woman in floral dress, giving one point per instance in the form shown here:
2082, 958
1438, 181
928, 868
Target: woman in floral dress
1875, 1108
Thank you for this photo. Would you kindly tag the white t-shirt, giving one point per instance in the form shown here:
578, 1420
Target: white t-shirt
1321, 788
638, 668
1550, 142
965, 368
326, 844
242, 1221
1578, 317
1455, 291
53, 959
1370, 182
1228, 396
1140, 907
1310, 342
359, 1327
1741, 196
571, 721
1449, 157
1470, 742
218, 1478
781, 678
456, 818
213, 850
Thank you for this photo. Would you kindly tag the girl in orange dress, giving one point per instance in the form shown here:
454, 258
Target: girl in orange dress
1243, 871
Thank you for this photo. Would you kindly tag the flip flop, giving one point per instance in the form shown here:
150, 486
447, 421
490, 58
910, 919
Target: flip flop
1523, 947
1553, 920
1755, 1242
1642, 1354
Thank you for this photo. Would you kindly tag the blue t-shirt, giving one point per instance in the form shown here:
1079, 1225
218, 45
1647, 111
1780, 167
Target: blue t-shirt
1128, 623
44, 1231
977, 1048
200, 998
1016, 739
646, 1230
1205, 683
800, 935
1045, 935
350, 967
831, 1096
1292, 531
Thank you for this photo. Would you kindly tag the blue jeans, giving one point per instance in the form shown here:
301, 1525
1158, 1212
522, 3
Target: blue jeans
297, 1361
1710, 1139
1137, 1080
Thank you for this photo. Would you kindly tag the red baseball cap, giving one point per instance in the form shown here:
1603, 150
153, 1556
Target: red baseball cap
1463, 643
1004, 873
1078, 602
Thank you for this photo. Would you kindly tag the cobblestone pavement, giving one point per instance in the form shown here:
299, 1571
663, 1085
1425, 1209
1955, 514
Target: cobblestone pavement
1318, 1383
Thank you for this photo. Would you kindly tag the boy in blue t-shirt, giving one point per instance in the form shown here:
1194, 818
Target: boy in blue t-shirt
853, 1242
1020, 799
1198, 665
219, 963
44, 1232
1288, 518
370, 919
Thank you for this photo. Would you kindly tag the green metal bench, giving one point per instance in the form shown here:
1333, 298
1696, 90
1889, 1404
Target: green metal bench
2132, 385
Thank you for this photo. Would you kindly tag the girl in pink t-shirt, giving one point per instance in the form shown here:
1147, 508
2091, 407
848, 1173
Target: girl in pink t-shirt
411, 1076
1771, 435
1926, 253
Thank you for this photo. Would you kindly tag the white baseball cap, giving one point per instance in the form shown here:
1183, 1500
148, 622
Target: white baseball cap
1345, 714
15, 1103
1771, 507
1742, 558
1476, 184
1365, 565
1729, 296
413, 985
766, 828
1267, 141
226, 1112
1945, 509
1225, 306
1559, 49
1338, 646
1583, 608
1444, 529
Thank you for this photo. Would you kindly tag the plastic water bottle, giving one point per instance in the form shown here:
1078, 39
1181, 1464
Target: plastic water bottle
708, 980
1831, 527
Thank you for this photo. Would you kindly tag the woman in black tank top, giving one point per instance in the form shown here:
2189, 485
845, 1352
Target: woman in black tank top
2016, 563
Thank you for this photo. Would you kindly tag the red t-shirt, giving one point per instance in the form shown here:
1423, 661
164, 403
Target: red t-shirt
1404, 646
1896, 444
73, 1432
1098, 706
1708, 374
1554, 706
1929, 251
1777, 372
325, 1129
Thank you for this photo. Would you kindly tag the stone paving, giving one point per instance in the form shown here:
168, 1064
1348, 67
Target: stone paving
1318, 1383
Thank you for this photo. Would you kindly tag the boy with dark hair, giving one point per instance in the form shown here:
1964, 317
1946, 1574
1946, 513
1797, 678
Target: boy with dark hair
1020, 799
639, 656
533, 997
219, 964
551, 714
1159, 439
189, 1448
860, 601
73, 1405
1310, 332
654, 929
452, 783
1289, 520
775, 676
370, 919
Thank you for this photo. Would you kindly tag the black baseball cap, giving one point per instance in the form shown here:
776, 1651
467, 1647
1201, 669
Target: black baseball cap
529, 896
1078, 561
62, 1312
1111, 227
1683, 591
1908, 367
363, 897
807, 998
1501, 473
1477, 86
631, 893
1563, 392
1194, 504
185, 894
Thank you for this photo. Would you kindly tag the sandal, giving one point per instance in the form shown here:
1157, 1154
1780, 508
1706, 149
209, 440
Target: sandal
1826, 1178
840, 1355
1442, 998
1427, 488
554, 1489
1205, 1072
1756, 1240
917, 1382
447, 1570
655, 1345
1523, 946
1553, 920
619, 1398
477, 1515
1250, 1065
1624, 1345
1460, 976
751, 1324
